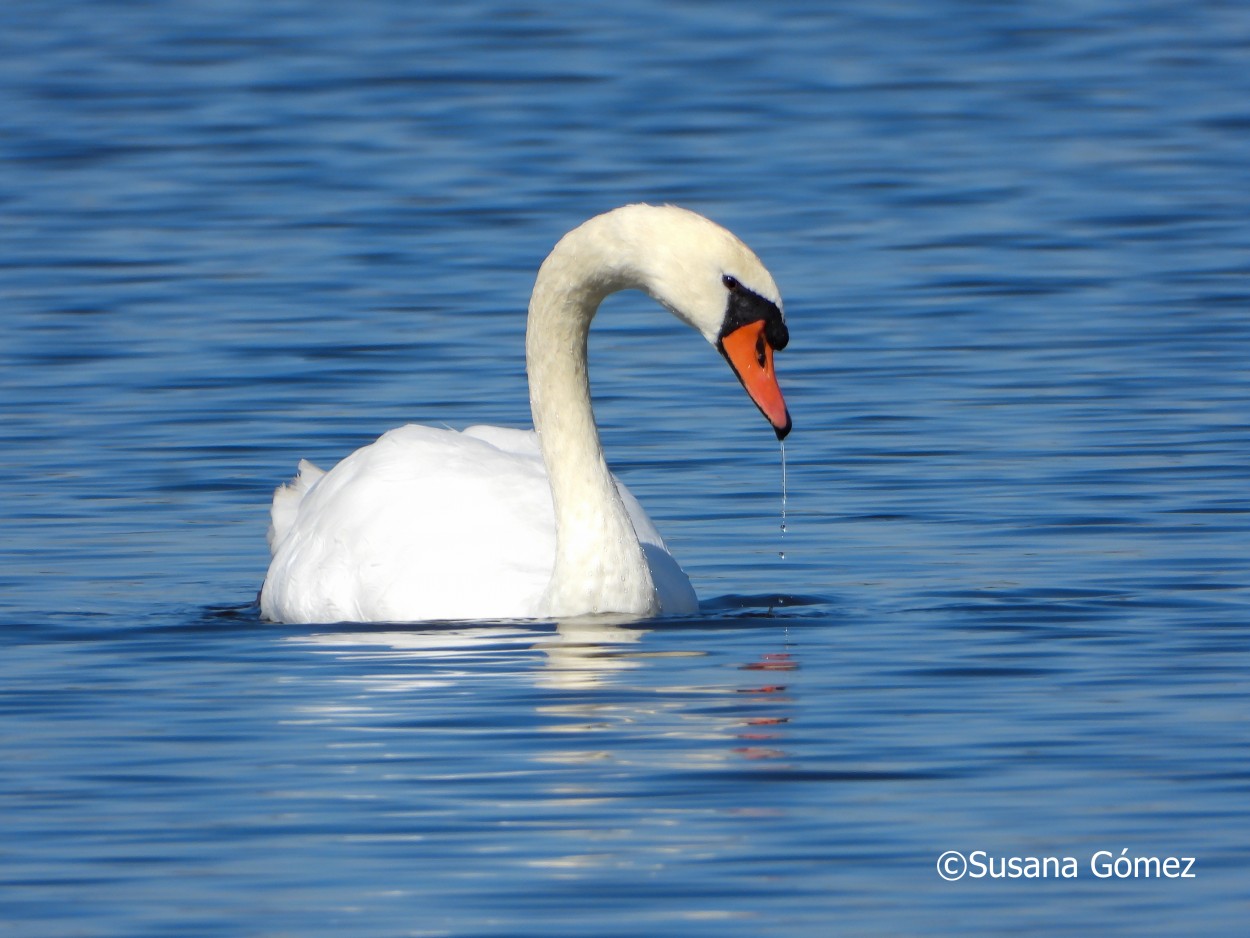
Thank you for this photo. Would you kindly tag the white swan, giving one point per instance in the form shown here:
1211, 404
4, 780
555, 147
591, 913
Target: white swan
492, 523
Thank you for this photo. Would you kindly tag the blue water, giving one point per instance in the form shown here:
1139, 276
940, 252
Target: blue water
1013, 614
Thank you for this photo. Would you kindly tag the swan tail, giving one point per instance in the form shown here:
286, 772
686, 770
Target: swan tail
286, 502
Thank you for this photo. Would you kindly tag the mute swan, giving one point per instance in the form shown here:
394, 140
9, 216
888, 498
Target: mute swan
493, 523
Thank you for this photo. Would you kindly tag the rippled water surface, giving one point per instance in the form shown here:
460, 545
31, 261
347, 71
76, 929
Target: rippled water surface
1012, 612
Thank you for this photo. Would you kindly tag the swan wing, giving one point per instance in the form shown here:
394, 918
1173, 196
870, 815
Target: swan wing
425, 523
677, 595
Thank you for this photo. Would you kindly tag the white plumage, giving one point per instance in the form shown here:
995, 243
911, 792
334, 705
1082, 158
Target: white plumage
497, 523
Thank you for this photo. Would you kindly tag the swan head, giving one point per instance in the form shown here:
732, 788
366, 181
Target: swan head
709, 279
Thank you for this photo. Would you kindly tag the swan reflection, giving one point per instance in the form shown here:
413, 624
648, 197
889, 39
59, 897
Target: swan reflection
588, 677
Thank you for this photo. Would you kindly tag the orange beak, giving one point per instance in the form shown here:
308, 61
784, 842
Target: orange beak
751, 357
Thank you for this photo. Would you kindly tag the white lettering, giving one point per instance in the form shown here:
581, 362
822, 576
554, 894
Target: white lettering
1125, 871
976, 864
1104, 864
981, 865
1102, 872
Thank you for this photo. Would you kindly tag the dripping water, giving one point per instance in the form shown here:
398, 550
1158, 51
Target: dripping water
782, 552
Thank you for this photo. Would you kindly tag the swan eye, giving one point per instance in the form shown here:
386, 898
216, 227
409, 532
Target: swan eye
731, 283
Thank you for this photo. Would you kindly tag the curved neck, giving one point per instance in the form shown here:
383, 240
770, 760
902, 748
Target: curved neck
599, 566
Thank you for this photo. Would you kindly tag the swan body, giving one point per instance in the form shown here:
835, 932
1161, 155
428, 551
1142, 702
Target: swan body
496, 523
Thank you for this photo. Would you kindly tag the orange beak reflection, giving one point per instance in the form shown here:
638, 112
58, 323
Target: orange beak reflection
751, 357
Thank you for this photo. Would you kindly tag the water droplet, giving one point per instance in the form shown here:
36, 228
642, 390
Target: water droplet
782, 553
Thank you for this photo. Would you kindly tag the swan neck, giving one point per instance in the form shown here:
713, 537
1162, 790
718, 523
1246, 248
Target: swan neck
599, 566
